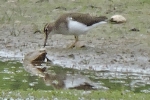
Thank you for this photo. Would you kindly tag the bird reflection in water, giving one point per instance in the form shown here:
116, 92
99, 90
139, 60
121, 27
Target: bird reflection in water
33, 63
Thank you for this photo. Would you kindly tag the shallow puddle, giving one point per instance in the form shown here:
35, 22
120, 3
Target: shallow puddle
14, 77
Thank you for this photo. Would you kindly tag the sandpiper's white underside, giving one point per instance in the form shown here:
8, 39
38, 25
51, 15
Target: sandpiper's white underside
77, 28
77, 80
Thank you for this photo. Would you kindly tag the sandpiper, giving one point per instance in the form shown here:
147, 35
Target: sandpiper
73, 24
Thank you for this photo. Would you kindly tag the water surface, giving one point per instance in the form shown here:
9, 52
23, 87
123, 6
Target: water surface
14, 77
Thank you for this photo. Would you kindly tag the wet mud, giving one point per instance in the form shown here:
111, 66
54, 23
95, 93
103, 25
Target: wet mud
127, 53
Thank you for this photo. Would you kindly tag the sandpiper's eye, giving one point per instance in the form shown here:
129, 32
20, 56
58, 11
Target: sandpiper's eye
46, 29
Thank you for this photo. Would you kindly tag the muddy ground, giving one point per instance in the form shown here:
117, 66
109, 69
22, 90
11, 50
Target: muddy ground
112, 47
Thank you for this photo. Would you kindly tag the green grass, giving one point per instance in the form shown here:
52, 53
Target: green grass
72, 95
36, 14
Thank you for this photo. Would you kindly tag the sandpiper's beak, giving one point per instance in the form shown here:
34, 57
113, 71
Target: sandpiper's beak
47, 79
46, 36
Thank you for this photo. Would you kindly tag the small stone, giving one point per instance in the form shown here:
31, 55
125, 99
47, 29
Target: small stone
118, 19
134, 29
132, 55
79, 45
71, 56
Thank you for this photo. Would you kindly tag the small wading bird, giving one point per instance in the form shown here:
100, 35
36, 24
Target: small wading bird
73, 24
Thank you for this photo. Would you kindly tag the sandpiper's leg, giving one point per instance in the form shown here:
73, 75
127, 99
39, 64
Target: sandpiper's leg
76, 40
